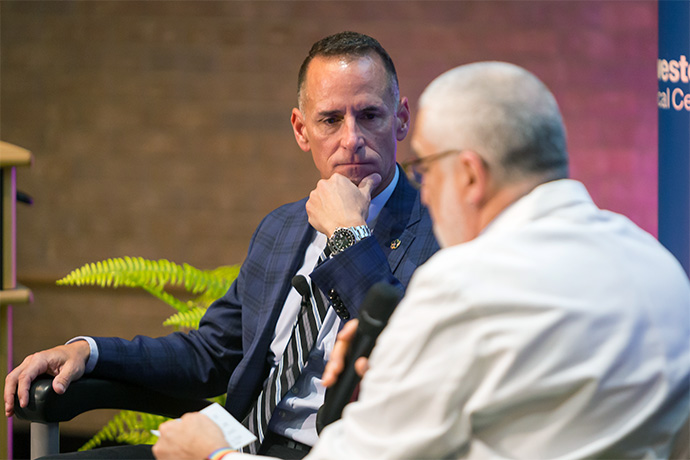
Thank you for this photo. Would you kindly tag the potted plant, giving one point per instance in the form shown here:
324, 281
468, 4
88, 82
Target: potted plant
158, 278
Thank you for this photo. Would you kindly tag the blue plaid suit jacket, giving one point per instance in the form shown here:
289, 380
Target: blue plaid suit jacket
230, 350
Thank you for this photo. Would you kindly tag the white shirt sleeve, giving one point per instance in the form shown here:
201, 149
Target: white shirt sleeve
408, 401
93, 354
518, 345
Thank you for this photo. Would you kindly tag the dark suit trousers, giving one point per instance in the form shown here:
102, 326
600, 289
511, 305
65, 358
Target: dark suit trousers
143, 452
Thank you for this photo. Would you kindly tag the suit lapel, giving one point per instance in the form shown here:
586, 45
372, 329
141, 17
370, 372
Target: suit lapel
393, 225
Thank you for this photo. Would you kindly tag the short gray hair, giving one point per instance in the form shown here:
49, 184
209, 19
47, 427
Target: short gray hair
502, 112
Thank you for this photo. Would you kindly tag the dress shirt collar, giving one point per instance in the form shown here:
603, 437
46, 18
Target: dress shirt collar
543, 199
380, 200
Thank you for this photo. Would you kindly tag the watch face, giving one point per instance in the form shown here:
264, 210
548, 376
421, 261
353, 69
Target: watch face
342, 239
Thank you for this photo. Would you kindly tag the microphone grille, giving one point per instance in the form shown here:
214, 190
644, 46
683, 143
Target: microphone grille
300, 283
379, 303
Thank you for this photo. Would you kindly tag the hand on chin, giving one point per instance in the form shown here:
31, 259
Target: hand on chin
356, 172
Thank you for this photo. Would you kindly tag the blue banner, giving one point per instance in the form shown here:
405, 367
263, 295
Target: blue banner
673, 100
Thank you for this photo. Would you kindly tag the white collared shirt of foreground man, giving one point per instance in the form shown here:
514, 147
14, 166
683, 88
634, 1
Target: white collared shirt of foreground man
546, 328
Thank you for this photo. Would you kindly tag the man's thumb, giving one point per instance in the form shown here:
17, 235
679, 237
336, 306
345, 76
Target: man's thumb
60, 384
63, 379
369, 183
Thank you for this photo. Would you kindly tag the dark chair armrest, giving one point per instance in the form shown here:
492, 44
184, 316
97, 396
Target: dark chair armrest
88, 393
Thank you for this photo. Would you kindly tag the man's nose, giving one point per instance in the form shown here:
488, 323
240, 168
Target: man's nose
353, 137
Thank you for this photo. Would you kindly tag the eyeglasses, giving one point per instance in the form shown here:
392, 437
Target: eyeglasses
417, 167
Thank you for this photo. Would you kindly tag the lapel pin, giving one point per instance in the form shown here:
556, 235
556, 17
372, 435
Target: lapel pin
395, 244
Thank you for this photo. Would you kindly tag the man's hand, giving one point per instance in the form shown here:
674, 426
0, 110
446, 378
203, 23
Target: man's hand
336, 363
194, 436
337, 202
65, 362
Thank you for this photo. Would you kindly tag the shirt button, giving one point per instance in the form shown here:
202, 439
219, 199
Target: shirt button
282, 414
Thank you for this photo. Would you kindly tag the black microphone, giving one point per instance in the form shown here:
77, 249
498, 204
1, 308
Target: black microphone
377, 307
300, 283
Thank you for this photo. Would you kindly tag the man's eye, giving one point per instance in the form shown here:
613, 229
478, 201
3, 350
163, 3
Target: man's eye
370, 116
330, 121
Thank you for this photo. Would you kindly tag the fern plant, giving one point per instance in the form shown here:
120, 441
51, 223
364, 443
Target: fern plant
156, 277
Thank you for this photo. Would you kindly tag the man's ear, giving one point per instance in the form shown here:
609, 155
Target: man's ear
300, 130
474, 177
402, 119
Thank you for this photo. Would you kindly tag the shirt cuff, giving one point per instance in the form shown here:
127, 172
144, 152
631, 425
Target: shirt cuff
93, 353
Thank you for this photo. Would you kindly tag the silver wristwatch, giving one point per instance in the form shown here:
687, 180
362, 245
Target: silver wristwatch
344, 237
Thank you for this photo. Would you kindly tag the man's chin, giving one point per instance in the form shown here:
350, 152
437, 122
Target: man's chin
356, 173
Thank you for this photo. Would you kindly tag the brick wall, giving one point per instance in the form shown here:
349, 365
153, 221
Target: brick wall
161, 129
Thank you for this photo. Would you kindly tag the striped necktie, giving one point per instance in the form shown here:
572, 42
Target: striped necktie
284, 375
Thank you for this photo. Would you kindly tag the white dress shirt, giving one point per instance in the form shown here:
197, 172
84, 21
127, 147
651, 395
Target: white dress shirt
561, 332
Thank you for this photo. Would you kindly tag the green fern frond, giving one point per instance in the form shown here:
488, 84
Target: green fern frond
220, 399
139, 272
127, 271
187, 319
166, 297
219, 281
153, 276
127, 427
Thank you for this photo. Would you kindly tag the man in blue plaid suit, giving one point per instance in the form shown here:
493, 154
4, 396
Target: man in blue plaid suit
350, 117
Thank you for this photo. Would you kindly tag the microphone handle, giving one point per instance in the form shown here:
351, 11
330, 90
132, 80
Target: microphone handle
377, 307
341, 392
